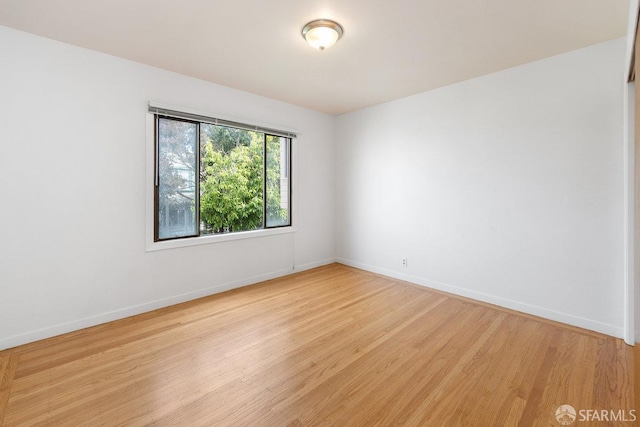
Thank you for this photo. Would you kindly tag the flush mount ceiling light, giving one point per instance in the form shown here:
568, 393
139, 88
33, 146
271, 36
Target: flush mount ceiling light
322, 33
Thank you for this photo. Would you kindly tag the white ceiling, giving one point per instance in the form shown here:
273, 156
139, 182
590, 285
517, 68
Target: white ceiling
390, 49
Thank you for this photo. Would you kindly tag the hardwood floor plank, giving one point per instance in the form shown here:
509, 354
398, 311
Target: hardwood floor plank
8, 365
534, 411
515, 413
493, 379
635, 354
353, 386
329, 346
302, 365
440, 399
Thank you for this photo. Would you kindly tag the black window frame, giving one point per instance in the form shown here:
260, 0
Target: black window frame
198, 122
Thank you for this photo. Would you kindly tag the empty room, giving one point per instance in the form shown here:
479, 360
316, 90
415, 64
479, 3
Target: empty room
301, 213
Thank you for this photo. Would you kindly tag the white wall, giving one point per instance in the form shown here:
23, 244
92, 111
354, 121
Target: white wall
632, 306
72, 174
507, 188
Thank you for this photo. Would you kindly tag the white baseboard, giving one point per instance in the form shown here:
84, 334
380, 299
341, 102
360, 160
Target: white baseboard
51, 331
315, 264
63, 328
581, 322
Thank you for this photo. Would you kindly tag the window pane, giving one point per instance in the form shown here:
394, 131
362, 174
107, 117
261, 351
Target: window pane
278, 210
177, 145
231, 179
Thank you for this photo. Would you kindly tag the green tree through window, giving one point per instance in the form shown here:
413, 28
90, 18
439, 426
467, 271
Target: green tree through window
243, 179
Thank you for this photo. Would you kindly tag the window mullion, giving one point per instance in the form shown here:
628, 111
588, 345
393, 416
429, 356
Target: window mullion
197, 179
264, 180
156, 188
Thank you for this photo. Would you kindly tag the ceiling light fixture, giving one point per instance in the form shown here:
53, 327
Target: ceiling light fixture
322, 33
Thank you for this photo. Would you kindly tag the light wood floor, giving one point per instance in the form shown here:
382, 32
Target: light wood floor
330, 346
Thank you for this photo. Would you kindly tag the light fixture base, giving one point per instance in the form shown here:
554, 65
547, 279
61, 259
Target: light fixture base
322, 33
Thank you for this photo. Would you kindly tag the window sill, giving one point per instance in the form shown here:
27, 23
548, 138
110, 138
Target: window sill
219, 238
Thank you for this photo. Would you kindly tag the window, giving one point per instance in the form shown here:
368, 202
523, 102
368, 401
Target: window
214, 176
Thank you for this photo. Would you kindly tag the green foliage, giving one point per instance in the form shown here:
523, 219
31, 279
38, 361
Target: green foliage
231, 186
225, 139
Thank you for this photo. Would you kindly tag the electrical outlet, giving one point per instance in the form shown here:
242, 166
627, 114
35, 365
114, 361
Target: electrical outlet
404, 262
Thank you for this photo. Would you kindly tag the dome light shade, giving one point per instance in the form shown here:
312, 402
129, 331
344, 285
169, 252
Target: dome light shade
322, 33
